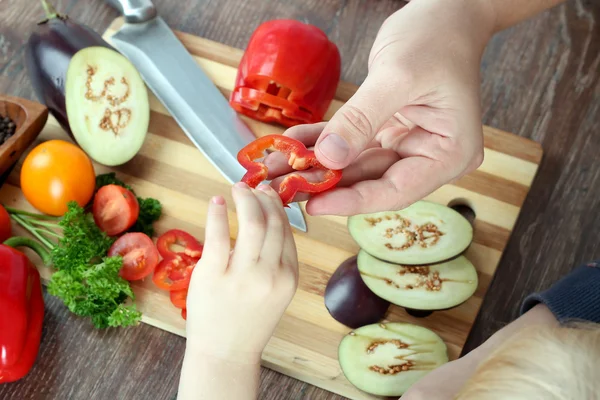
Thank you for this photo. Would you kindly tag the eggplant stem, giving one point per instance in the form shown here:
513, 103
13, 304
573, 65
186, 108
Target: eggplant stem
50, 10
20, 241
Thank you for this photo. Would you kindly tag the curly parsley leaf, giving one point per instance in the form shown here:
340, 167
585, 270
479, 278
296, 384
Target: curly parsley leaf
86, 280
82, 242
124, 316
150, 212
111, 179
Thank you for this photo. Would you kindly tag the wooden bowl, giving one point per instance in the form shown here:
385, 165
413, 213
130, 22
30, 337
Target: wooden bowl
29, 118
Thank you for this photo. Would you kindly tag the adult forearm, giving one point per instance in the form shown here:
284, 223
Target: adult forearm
510, 12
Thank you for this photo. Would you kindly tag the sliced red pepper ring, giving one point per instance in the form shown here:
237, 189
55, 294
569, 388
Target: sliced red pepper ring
175, 237
178, 297
174, 273
299, 158
288, 74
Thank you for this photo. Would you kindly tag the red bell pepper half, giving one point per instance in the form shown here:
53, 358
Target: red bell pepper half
21, 313
299, 158
288, 74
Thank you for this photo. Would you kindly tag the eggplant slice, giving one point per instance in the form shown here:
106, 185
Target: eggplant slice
431, 287
107, 105
349, 301
422, 233
387, 359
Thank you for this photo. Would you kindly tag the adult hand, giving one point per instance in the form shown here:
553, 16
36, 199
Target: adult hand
415, 122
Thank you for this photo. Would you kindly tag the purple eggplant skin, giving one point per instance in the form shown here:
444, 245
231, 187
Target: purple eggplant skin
48, 53
349, 300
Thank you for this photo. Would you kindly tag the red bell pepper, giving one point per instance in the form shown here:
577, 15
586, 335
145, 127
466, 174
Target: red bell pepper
288, 74
299, 158
21, 312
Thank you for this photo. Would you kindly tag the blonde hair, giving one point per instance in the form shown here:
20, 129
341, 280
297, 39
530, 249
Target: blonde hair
541, 363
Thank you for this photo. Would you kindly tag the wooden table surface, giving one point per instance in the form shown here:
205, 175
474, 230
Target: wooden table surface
540, 80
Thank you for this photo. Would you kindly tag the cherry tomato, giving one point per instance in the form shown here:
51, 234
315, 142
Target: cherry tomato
167, 241
56, 172
174, 273
5, 226
115, 209
178, 297
139, 255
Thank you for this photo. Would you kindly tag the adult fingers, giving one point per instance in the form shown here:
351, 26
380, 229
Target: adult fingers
252, 227
217, 243
371, 164
277, 163
407, 181
356, 123
462, 127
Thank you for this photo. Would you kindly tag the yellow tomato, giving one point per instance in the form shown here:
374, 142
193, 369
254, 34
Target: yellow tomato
56, 172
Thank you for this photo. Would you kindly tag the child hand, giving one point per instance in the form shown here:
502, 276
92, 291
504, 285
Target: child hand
236, 298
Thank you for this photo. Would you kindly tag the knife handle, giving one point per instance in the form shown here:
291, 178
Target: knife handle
135, 11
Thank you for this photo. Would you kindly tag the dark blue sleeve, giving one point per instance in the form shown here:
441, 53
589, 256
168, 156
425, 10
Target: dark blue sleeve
575, 297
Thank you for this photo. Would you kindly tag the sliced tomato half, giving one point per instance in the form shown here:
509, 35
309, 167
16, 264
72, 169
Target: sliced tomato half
169, 242
174, 273
115, 209
140, 256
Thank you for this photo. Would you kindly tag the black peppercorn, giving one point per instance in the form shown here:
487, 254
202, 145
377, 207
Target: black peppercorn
7, 129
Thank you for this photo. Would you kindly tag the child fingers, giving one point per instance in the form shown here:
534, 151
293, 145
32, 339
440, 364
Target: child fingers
252, 227
289, 255
272, 247
217, 244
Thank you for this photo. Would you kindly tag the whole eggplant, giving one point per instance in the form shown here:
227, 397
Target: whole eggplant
349, 300
48, 53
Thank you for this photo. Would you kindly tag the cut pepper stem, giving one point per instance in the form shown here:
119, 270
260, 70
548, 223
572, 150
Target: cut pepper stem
20, 241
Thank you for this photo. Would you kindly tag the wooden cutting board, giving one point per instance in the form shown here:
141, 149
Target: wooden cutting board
305, 343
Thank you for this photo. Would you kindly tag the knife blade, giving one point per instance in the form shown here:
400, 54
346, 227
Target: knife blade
189, 95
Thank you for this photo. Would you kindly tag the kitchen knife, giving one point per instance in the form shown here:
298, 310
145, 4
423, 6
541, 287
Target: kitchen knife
186, 91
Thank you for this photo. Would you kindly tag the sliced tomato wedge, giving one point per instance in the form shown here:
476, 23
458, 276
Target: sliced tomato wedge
174, 273
167, 244
115, 209
178, 297
140, 256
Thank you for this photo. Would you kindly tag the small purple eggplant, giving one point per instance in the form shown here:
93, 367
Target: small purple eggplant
349, 300
49, 51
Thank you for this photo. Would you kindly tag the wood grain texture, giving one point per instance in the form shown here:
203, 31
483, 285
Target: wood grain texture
539, 80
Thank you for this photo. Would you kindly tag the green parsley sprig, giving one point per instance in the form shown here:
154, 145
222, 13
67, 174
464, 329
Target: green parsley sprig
86, 280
